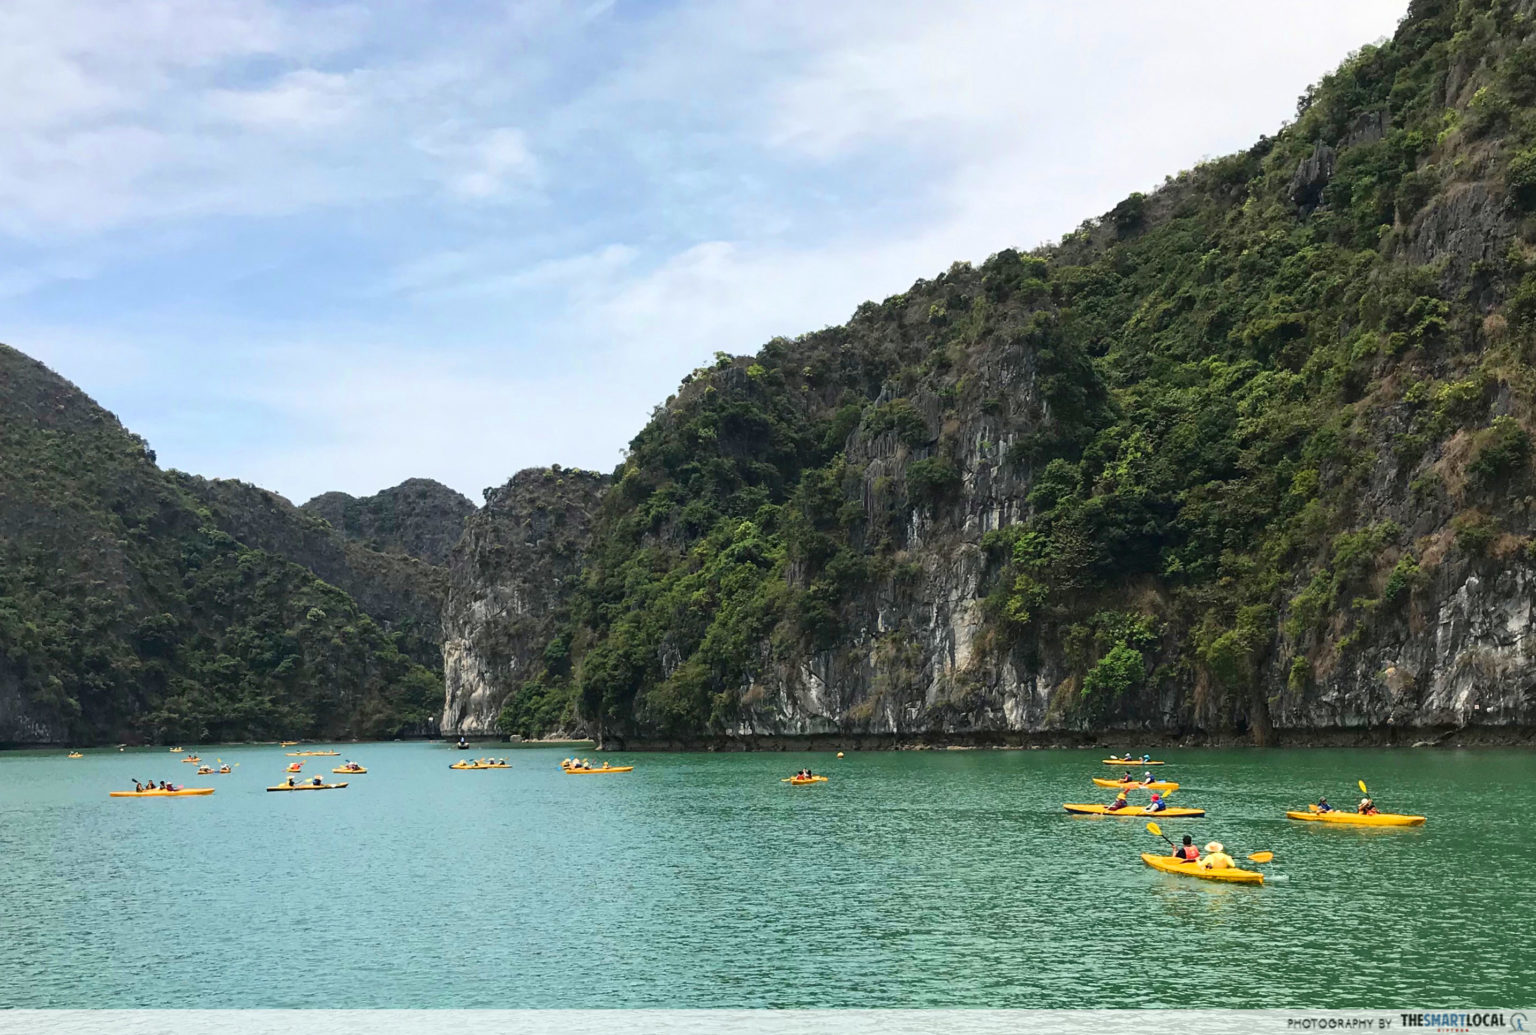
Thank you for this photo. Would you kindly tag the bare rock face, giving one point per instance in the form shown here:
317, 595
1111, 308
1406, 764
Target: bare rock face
1312, 175
508, 579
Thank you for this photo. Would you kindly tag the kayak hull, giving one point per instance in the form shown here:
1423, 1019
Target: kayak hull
795, 781
457, 766
309, 787
349, 772
185, 792
1129, 763
1155, 785
598, 772
1354, 819
1132, 810
313, 754
1231, 875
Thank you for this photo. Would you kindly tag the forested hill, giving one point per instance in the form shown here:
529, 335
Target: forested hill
1248, 454
128, 613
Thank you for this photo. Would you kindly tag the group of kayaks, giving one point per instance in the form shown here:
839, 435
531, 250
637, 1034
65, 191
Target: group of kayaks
584, 767
482, 763
1366, 815
350, 768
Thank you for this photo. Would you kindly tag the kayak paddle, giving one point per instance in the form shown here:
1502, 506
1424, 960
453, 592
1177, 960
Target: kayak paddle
1261, 857
1153, 828
1362, 788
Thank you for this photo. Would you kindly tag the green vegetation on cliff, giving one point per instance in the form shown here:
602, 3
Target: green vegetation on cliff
126, 612
1242, 414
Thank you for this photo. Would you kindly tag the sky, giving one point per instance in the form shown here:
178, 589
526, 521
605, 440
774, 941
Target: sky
329, 245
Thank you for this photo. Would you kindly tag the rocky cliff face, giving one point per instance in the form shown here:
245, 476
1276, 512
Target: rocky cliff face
418, 518
1248, 457
510, 579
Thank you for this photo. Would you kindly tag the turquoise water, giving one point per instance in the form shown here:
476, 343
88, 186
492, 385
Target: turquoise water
911, 879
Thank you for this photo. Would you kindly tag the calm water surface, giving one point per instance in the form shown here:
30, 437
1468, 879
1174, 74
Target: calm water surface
911, 879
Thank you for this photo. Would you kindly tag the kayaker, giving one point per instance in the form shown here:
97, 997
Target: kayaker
1187, 852
1157, 804
1127, 756
137, 786
1367, 807
1127, 777
1323, 806
1216, 857
1118, 804
1146, 777
317, 781
1145, 758
290, 781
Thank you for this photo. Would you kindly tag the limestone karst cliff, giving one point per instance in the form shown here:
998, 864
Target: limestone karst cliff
1248, 456
511, 577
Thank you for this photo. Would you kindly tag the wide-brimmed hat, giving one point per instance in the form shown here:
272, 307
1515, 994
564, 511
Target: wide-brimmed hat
1215, 846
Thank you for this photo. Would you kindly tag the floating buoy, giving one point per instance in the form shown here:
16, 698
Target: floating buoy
839, 754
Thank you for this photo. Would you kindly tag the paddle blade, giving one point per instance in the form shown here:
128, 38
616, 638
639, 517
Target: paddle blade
1262, 857
1362, 787
1154, 829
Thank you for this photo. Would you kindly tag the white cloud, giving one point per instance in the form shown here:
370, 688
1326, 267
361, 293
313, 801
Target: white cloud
304, 100
482, 164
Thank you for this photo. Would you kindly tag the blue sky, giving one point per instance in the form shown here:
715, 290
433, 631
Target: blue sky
334, 245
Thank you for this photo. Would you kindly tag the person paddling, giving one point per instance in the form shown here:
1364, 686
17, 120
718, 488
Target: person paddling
1322, 805
1157, 804
1367, 807
1118, 804
1187, 852
1127, 777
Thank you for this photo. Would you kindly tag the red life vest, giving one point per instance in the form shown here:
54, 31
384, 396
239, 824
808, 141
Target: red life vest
1190, 853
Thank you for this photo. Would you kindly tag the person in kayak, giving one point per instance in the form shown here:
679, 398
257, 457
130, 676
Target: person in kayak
1156, 804
1118, 804
1322, 805
1367, 807
1187, 852
1126, 777
137, 786
1216, 857
1145, 758
1146, 777
290, 781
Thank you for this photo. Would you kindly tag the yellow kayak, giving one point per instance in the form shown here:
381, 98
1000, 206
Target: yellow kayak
344, 769
461, 765
1168, 864
1131, 810
801, 781
192, 758
1380, 819
185, 792
1129, 763
203, 770
594, 772
75, 754
309, 787
312, 754
287, 743
1155, 785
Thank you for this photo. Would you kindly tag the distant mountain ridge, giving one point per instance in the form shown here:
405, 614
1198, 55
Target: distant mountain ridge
132, 609
418, 518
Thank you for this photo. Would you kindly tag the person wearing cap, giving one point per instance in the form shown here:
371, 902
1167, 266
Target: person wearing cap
1323, 806
1367, 807
1187, 852
1216, 857
1146, 777
1118, 804
1157, 804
